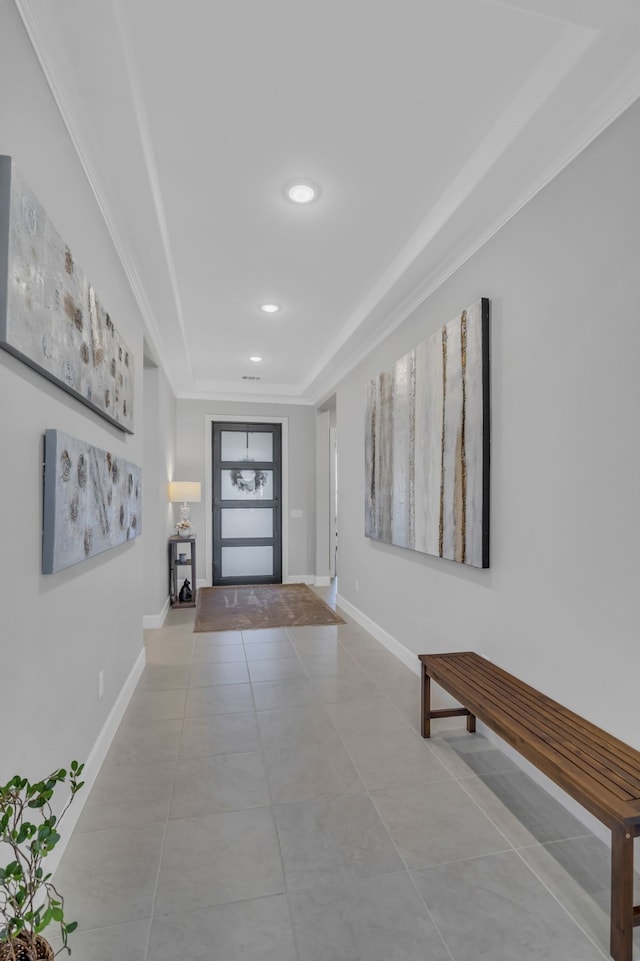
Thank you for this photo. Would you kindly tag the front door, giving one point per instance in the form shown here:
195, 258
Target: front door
247, 523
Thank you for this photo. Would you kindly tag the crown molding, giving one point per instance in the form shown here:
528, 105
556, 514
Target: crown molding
151, 168
234, 396
52, 78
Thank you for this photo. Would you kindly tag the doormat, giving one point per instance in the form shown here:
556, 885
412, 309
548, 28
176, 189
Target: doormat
253, 606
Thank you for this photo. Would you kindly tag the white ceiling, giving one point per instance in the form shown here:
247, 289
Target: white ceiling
426, 122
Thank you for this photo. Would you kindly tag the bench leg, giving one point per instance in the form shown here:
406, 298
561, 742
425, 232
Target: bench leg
622, 913
425, 705
427, 713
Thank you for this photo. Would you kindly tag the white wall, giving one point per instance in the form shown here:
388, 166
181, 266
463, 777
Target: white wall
559, 605
58, 631
193, 443
159, 469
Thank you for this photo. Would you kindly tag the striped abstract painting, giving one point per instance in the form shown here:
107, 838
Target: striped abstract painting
427, 445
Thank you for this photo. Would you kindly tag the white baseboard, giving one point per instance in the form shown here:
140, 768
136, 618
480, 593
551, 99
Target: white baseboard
322, 581
96, 757
299, 579
401, 652
156, 621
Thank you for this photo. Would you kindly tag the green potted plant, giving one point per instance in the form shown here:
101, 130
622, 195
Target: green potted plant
29, 902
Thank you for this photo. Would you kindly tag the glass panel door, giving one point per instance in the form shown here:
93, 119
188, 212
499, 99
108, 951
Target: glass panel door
247, 539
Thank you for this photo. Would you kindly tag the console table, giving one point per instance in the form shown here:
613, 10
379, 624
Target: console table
182, 546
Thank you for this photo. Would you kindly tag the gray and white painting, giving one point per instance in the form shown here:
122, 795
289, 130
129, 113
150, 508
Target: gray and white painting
92, 501
427, 444
50, 316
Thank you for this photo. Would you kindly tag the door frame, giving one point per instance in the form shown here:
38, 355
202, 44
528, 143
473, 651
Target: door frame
333, 500
210, 419
222, 504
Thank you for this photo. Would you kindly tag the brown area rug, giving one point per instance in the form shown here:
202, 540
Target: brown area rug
253, 606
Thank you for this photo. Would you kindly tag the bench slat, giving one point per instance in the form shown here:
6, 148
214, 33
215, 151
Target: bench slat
603, 748
610, 747
568, 753
460, 674
525, 729
590, 756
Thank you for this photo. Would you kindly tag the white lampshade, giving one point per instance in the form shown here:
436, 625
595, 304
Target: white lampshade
185, 492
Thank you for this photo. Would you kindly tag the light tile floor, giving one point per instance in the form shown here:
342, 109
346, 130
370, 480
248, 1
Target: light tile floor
268, 798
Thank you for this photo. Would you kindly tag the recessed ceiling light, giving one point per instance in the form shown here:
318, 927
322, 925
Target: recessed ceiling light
270, 308
302, 191
255, 359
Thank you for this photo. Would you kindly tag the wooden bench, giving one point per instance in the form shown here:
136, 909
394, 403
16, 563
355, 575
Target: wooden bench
599, 771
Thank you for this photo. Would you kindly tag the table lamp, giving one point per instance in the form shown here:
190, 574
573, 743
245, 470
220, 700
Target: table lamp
185, 492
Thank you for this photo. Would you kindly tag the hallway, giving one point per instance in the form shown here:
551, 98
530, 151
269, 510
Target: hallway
268, 798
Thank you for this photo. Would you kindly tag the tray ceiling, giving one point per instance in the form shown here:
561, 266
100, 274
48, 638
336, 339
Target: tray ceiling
427, 124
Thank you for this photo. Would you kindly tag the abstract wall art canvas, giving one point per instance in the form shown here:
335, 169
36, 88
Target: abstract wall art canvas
92, 501
50, 316
427, 444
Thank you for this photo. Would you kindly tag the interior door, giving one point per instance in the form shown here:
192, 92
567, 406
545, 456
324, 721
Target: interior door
247, 497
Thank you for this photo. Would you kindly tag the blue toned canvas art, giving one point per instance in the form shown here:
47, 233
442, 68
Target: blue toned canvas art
92, 501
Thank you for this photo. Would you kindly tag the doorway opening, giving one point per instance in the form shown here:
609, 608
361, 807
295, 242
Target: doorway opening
333, 503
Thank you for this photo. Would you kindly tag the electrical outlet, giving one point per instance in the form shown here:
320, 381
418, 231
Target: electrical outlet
357, 584
100, 684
